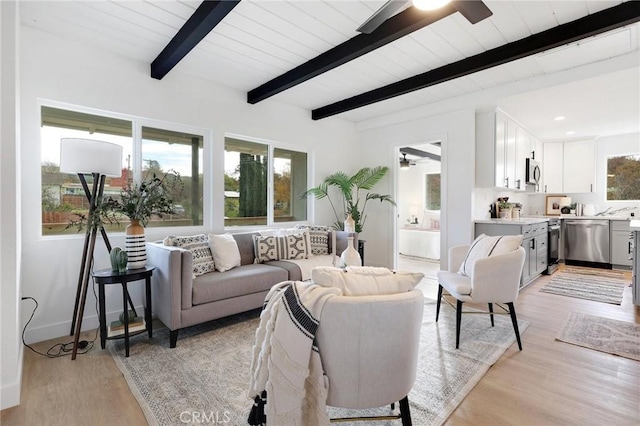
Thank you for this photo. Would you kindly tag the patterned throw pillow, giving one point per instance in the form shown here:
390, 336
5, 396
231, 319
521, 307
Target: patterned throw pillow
319, 236
485, 246
198, 245
281, 247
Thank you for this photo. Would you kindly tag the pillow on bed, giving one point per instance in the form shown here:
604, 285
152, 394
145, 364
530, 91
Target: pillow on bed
365, 281
485, 246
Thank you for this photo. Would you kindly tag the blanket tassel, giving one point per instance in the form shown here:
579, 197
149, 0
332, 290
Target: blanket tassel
257, 416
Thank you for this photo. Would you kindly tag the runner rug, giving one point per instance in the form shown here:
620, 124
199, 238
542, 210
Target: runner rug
602, 334
583, 283
207, 375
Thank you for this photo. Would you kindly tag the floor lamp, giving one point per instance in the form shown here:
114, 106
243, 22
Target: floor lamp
98, 159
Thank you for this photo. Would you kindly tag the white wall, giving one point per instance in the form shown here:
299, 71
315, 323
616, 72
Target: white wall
456, 130
70, 72
10, 221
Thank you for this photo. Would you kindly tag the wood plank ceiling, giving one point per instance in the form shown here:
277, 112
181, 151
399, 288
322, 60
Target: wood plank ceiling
260, 40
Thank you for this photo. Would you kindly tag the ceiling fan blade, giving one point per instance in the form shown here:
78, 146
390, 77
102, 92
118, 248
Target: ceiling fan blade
390, 8
475, 11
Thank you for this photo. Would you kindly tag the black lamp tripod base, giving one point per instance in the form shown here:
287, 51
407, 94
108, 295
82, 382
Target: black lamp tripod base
87, 254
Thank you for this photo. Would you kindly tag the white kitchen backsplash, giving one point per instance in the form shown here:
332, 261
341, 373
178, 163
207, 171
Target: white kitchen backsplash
484, 197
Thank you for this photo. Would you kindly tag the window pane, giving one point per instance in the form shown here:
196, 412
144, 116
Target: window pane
166, 151
63, 198
623, 178
245, 183
289, 182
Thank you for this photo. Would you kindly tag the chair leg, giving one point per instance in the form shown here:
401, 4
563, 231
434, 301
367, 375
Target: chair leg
491, 314
514, 320
438, 303
173, 338
405, 413
458, 321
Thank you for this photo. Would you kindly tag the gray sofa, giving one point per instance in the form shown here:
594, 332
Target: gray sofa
180, 301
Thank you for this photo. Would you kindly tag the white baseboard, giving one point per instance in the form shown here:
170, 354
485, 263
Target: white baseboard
10, 392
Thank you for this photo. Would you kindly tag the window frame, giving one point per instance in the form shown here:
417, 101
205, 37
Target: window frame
137, 123
606, 176
271, 147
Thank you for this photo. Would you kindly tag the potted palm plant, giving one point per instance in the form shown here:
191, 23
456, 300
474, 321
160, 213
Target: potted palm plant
352, 190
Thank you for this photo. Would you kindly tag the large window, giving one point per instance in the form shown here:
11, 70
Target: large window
161, 151
259, 191
623, 178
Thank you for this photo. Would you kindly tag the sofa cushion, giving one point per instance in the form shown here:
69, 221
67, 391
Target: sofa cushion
294, 271
365, 281
198, 245
247, 279
225, 251
281, 247
245, 247
319, 238
485, 246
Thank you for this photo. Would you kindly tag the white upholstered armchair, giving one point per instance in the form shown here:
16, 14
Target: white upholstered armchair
369, 349
492, 280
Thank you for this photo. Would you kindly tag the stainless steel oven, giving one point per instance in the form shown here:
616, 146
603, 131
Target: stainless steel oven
554, 245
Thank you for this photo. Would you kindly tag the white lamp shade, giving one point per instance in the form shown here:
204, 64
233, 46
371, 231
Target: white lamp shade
90, 156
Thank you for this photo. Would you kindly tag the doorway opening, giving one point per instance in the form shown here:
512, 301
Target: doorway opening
419, 210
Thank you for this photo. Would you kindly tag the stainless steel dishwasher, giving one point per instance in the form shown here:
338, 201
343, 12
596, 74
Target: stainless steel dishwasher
586, 240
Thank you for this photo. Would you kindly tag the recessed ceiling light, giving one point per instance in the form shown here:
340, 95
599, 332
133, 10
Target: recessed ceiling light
570, 132
559, 118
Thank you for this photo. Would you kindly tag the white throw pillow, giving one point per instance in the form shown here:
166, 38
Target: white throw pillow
363, 282
485, 246
198, 245
224, 248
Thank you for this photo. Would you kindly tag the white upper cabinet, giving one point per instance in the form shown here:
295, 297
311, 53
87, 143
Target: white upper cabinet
502, 146
579, 174
552, 166
569, 167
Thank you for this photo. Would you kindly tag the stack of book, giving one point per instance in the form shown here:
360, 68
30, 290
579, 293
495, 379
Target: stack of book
116, 328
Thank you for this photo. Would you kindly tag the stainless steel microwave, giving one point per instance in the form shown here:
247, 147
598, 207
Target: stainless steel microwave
533, 172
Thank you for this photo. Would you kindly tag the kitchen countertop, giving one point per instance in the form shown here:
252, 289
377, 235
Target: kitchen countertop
521, 221
634, 225
569, 216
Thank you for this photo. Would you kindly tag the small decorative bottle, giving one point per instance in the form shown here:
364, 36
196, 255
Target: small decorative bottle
350, 257
349, 224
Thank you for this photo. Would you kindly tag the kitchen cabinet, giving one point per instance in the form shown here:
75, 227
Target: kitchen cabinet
534, 241
569, 167
502, 145
620, 244
552, 166
579, 167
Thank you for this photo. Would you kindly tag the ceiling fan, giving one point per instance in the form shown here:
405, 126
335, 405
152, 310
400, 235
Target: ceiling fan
404, 163
474, 10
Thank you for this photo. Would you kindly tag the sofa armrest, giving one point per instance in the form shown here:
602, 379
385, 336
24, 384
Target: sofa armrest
456, 257
172, 282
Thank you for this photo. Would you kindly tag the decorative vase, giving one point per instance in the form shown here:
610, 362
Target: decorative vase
119, 259
135, 245
132, 316
350, 257
349, 224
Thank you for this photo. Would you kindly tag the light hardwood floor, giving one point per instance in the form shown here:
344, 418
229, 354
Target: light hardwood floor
548, 383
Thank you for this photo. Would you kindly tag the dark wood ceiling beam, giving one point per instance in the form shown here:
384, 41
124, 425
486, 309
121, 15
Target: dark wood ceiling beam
597, 23
204, 19
396, 27
419, 153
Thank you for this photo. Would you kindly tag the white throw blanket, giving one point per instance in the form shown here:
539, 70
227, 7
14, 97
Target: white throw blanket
285, 363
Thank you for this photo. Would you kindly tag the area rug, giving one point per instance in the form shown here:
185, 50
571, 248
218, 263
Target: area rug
207, 375
602, 334
583, 283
